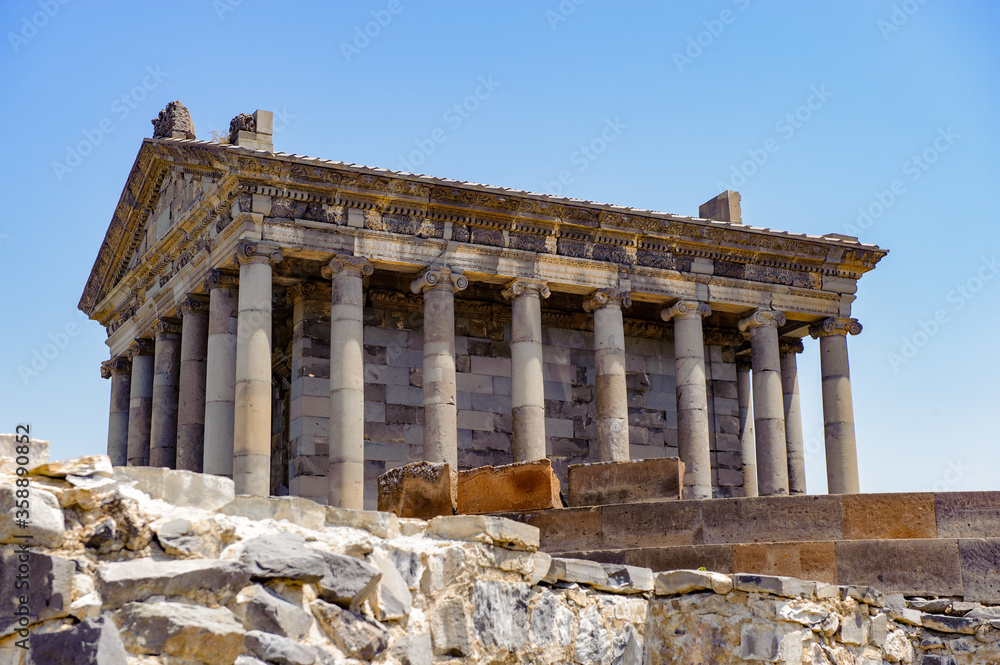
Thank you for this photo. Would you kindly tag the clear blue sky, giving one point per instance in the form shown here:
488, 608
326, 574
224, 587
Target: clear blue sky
887, 107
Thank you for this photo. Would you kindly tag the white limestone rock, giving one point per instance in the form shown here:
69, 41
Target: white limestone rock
185, 489
88, 466
359, 636
676, 582
379, 523
296, 510
43, 518
11, 450
498, 531
393, 599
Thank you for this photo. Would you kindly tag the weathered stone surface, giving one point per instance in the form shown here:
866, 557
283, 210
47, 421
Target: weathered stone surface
551, 622
980, 561
630, 481
202, 634
610, 577
88, 492
819, 618
758, 643
44, 521
209, 581
450, 629
184, 538
278, 650
348, 582
854, 629
37, 453
174, 121
95, 641
542, 562
356, 634
778, 585
675, 582
497, 531
85, 467
875, 516
914, 566
379, 523
592, 644
773, 519
949, 624
261, 608
523, 486
627, 647
500, 614
967, 514
283, 556
656, 524
567, 530
895, 607
292, 508
718, 558
45, 580
865, 594
413, 649
180, 488
419, 489
393, 599
805, 560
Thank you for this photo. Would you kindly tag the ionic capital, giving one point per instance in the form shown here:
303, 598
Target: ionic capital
607, 298
685, 309
193, 303
251, 251
356, 266
521, 286
116, 365
167, 327
835, 326
761, 318
221, 279
441, 276
140, 347
789, 345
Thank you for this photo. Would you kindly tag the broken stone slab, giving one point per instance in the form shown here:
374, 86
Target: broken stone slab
261, 608
209, 581
212, 636
12, 451
278, 650
950, 624
498, 531
629, 481
677, 582
87, 602
295, 509
42, 523
393, 599
778, 585
542, 561
419, 489
864, 594
379, 523
186, 538
413, 649
50, 593
88, 493
348, 582
185, 489
92, 641
613, 578
895, 607
817, 617
450, 629
529, 485
931, 606
356, 634
87, 466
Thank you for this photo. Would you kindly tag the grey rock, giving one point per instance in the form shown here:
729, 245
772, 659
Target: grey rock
500, 614
186, 489
348, 582
676, 582
380, 523
413, 649
49, 595
283, 556
962, 608
180, 537
11, 449
498, 531
879, 629
592, 642
92, 641
174, 122
627, 647
409, 564
248, 660
356, 634
210, 581
260, 608
932, 606
278, 650
895, 607
551, 622
865, 594
789, 587
853, 629
985, 614
393, 599
45, 522
949, 624
450, 629
190, 632
758, 642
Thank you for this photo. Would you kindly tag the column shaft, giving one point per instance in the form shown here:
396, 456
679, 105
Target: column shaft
768, 404
838, 407
119, 370
609, 373
346, 461
527, 388
140, 409
220, 374
191, 409
748, 450
166, 379
793, 422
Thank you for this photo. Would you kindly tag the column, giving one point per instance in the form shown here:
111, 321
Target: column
346, 461
252, 406
438, 284
140, 404
119, 370
166, 380
768, 405
527, 389
748, 450
838, 408
191, 408
693, 443
609, 373
220, 373
793, 416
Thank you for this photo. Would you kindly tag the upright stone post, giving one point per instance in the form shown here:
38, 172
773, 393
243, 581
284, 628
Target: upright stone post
748, 451
693, 442
838, 407
768, 404
609, 373
252, 408
166, 380
140, 405
119, 370
438, 285
346, 461
220, 373
527, 389
793, 416
191, 409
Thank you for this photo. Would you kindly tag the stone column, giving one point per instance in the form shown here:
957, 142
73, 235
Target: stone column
527, 389
252, 407
838, 408
768, 406
166, 380
140, 405
693, 442
609, 373
438, 285
793, 416
748, 450
119, 370
191, 408
220, 373
346, 461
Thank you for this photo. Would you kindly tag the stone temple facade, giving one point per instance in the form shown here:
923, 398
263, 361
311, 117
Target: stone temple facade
303, 325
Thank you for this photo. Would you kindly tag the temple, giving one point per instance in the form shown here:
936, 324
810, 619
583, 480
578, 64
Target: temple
303, 325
